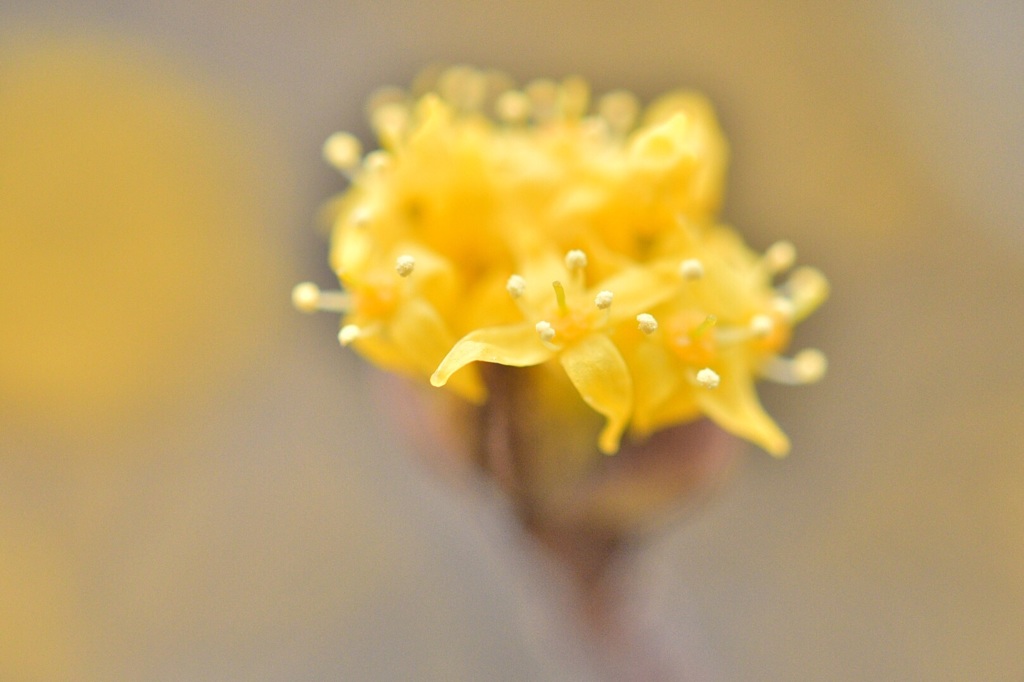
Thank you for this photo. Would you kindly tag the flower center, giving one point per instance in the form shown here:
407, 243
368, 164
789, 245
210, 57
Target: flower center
691, 337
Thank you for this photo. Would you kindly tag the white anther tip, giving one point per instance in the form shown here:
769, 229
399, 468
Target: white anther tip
404, 265
545, 330
306, 297
342, 150
377, 161
348, 334
785, 307
646, 323
708, 378
761, 325
513, 106
575, 260
809, 365
516, 286
780, 256
691, 269
361, 216
603, 300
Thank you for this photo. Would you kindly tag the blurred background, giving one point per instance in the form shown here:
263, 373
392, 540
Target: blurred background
194, 485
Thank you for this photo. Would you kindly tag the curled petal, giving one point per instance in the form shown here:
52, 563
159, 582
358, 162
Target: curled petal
657, 380
637, 290
597, 370
515, 346
734, 406
422, 337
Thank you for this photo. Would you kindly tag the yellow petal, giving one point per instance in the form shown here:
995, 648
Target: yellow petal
423, 339
637, 290
597, 370
734, 406
515, 345
656, 379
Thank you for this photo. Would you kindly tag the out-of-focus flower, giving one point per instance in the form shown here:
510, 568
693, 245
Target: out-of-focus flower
524, 227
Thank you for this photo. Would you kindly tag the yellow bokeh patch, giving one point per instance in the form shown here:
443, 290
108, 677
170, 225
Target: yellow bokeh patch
128, 198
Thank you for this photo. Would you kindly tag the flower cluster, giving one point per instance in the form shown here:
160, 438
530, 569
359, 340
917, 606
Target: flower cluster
530, 226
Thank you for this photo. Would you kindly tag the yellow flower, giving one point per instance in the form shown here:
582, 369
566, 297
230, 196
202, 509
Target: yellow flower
571, 323
553, 232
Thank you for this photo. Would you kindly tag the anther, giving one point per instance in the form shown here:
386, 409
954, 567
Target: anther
646, 323
516, 286
404, 265
603, 300
390, 120
780, 256
543, 94
575, 260
343, 151
377, 161
573, 97
691, 269
619, 108
784, 307
708, 378
761, 325
545, 330
512, 106
306, 296
361, 216
809, 365
806, 367
348, 334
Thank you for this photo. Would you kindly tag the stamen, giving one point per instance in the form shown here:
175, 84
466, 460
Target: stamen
691, 269
512, 107
761, 325
361, 216
343, 151
543, 94
464, 87
348, 334
807, 289
308, 298
807, 367
784, 307
603, 300
404, 265
573, 97
516, 286
708, 378
703, 328
563, 307
391, 117
780, 257
390, 121
646, 323
545, 330
377, 161
575, 260
594, 129
388, 95
810, 365
619, 108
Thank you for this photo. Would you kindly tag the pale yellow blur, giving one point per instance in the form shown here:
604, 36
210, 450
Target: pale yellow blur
126, 212
131, 288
